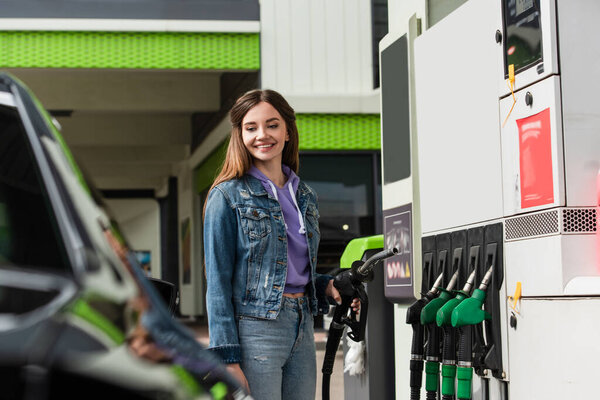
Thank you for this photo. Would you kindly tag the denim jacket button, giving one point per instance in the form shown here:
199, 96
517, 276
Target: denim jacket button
255, 213
310, 235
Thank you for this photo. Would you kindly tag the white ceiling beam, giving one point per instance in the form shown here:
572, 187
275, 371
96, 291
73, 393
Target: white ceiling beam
97, 129
126, 170
124, 183
124, 90
130, 154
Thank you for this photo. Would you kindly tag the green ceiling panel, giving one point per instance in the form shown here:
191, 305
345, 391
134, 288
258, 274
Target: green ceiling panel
339, 131
164, 50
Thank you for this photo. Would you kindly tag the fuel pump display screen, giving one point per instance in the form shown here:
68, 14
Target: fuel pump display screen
523, 44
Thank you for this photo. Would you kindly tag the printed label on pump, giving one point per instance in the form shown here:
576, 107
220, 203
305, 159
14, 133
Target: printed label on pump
535, 160
398, 270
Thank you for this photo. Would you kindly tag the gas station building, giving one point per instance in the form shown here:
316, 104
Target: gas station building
142, 92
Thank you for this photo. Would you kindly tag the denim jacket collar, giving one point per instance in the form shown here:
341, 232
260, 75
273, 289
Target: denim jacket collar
256, 188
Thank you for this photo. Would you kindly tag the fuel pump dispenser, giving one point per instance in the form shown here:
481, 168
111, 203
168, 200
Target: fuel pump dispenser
499, 162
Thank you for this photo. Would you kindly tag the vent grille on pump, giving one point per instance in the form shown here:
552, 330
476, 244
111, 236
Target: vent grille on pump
553, 222
532, 225
579, 220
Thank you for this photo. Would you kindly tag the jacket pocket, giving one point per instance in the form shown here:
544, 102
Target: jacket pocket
255, 222
256, 226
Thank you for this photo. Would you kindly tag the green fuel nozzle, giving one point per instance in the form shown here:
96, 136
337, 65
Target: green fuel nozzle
443, 320
413, 317
429, 312
469, 311
465, 316
432, 352
444, 314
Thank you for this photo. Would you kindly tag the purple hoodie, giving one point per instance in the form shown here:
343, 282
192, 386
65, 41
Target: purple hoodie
298, 271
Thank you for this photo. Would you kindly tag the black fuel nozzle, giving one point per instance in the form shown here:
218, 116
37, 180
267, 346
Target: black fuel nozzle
413, 318
349, 284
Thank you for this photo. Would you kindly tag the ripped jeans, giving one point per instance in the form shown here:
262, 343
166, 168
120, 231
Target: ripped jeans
279, 356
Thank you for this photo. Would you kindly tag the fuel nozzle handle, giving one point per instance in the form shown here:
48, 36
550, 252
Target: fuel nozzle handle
444, 314
469, 311
430, 310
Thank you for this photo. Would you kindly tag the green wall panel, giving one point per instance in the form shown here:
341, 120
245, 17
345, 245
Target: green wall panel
206, 173
339, 131
164, 50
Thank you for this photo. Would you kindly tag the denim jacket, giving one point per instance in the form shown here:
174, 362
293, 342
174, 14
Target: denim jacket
245, 250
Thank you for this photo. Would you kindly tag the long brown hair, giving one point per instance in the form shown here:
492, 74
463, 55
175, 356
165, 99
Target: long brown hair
238, 159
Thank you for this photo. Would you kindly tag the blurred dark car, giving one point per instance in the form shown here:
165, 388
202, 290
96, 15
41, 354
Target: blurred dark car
78, 318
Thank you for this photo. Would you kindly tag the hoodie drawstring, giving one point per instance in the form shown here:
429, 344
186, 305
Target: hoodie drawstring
302, 229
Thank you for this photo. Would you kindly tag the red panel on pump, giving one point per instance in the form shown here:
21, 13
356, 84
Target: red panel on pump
535, 160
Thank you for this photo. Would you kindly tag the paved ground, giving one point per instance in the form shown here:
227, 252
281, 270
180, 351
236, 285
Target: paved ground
337, 379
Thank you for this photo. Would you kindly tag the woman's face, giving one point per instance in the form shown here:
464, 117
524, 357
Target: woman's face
264, 134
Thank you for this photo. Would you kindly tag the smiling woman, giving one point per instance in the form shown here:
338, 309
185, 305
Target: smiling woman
261, 235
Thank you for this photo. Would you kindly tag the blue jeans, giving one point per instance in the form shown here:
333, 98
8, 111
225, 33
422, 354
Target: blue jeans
279, 356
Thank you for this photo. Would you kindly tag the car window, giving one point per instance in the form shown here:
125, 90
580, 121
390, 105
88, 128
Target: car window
28, 232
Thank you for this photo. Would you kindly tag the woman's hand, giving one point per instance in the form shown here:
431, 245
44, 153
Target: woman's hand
236, 371
331, 291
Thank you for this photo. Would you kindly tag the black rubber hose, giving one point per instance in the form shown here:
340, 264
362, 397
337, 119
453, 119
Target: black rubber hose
417, 339
485, 389
464, 344
413, 317
431, 395
449, 344
416, 379
449, 350
432, 347
333, 342
325, 386
415, 393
